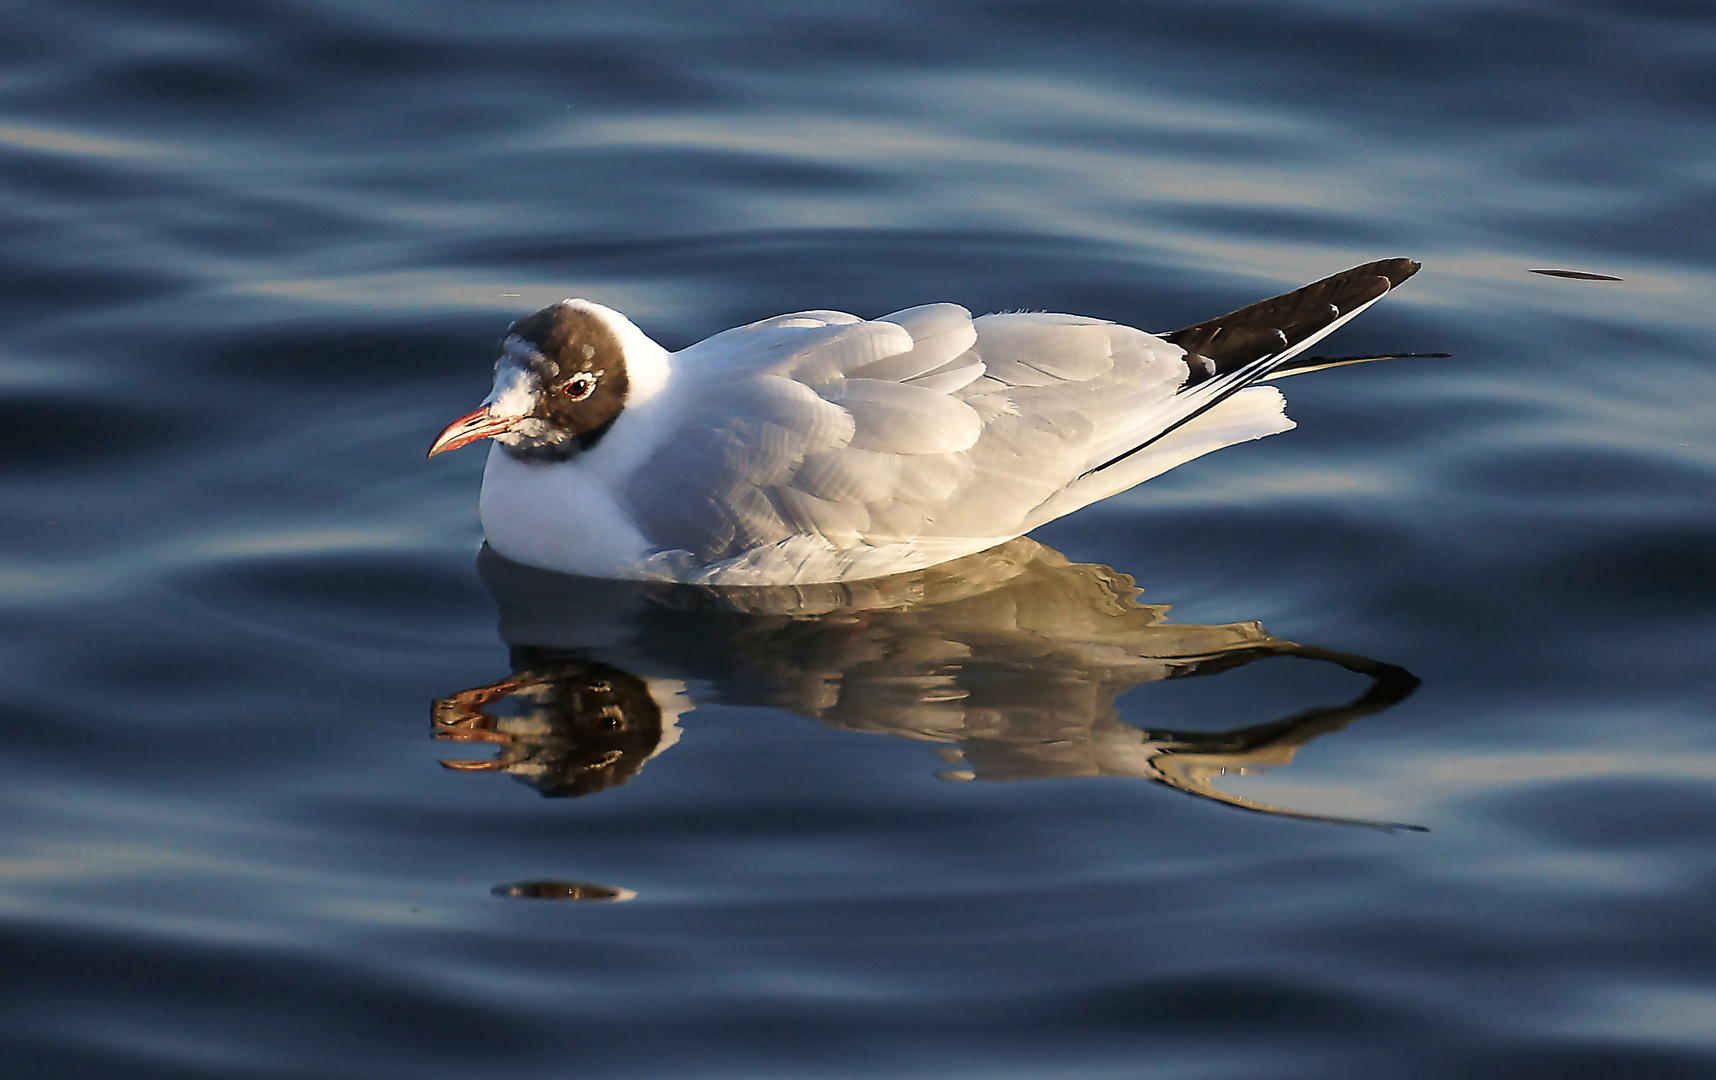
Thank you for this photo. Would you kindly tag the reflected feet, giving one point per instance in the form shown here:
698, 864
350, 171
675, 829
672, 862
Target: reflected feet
1012, 659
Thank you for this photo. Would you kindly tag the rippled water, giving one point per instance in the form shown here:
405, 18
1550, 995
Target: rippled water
257, 253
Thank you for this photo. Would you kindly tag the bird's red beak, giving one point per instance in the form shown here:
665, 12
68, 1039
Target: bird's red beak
469, 428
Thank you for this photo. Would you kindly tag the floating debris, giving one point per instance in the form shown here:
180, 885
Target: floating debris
1577, 275
549, 889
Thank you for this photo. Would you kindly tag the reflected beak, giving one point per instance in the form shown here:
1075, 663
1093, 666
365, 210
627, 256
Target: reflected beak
469, 428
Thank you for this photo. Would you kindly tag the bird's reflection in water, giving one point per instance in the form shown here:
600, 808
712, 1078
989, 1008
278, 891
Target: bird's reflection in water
1011, 659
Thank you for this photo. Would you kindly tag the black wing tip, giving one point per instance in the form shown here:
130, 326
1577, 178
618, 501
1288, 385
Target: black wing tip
1257, 330
1250, 336
1396, 270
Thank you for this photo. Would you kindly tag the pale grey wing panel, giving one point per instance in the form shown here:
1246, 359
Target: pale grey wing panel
706, 489
848, 348
1058, 391
1043, 350
931, 480
781, 441
1148, 373
807, 318
850, 475
940, 334
952, 376
930, 458
806, 347
907, 456
1014, 468
811, 438
842, 523
902, 418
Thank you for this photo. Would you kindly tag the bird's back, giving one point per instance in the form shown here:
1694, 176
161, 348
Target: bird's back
818, 446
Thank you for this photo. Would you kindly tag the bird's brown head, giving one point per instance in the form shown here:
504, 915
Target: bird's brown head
560, 383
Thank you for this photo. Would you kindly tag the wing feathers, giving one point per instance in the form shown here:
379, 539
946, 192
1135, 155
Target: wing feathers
902, 418
844, 348
1038, 350
859, 475
809, 347
843, 522
820, 442
1258, 340
939, 332
956, 374
932, 479
804, 319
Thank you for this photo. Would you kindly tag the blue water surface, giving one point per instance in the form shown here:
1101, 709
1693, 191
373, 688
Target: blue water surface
258, 252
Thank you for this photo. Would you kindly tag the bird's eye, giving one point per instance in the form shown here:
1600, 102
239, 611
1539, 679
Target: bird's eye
581, 385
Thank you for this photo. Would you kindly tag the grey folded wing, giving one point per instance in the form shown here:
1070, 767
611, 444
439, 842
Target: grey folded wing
922, 426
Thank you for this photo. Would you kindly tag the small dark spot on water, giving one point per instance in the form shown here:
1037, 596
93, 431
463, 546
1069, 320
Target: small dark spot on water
551, 889
1576, 275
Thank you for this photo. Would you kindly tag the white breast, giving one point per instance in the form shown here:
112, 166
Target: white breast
560, 518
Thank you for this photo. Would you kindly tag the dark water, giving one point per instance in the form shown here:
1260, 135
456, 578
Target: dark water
257, 253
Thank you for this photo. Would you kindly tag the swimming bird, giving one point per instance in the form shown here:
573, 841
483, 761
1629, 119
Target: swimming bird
818, 446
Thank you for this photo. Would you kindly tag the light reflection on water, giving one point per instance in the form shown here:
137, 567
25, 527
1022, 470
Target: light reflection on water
1010, 661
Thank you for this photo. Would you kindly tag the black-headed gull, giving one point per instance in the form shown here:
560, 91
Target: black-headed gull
820, 446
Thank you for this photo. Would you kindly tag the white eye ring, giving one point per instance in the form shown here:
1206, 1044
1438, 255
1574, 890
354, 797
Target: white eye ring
582, 385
